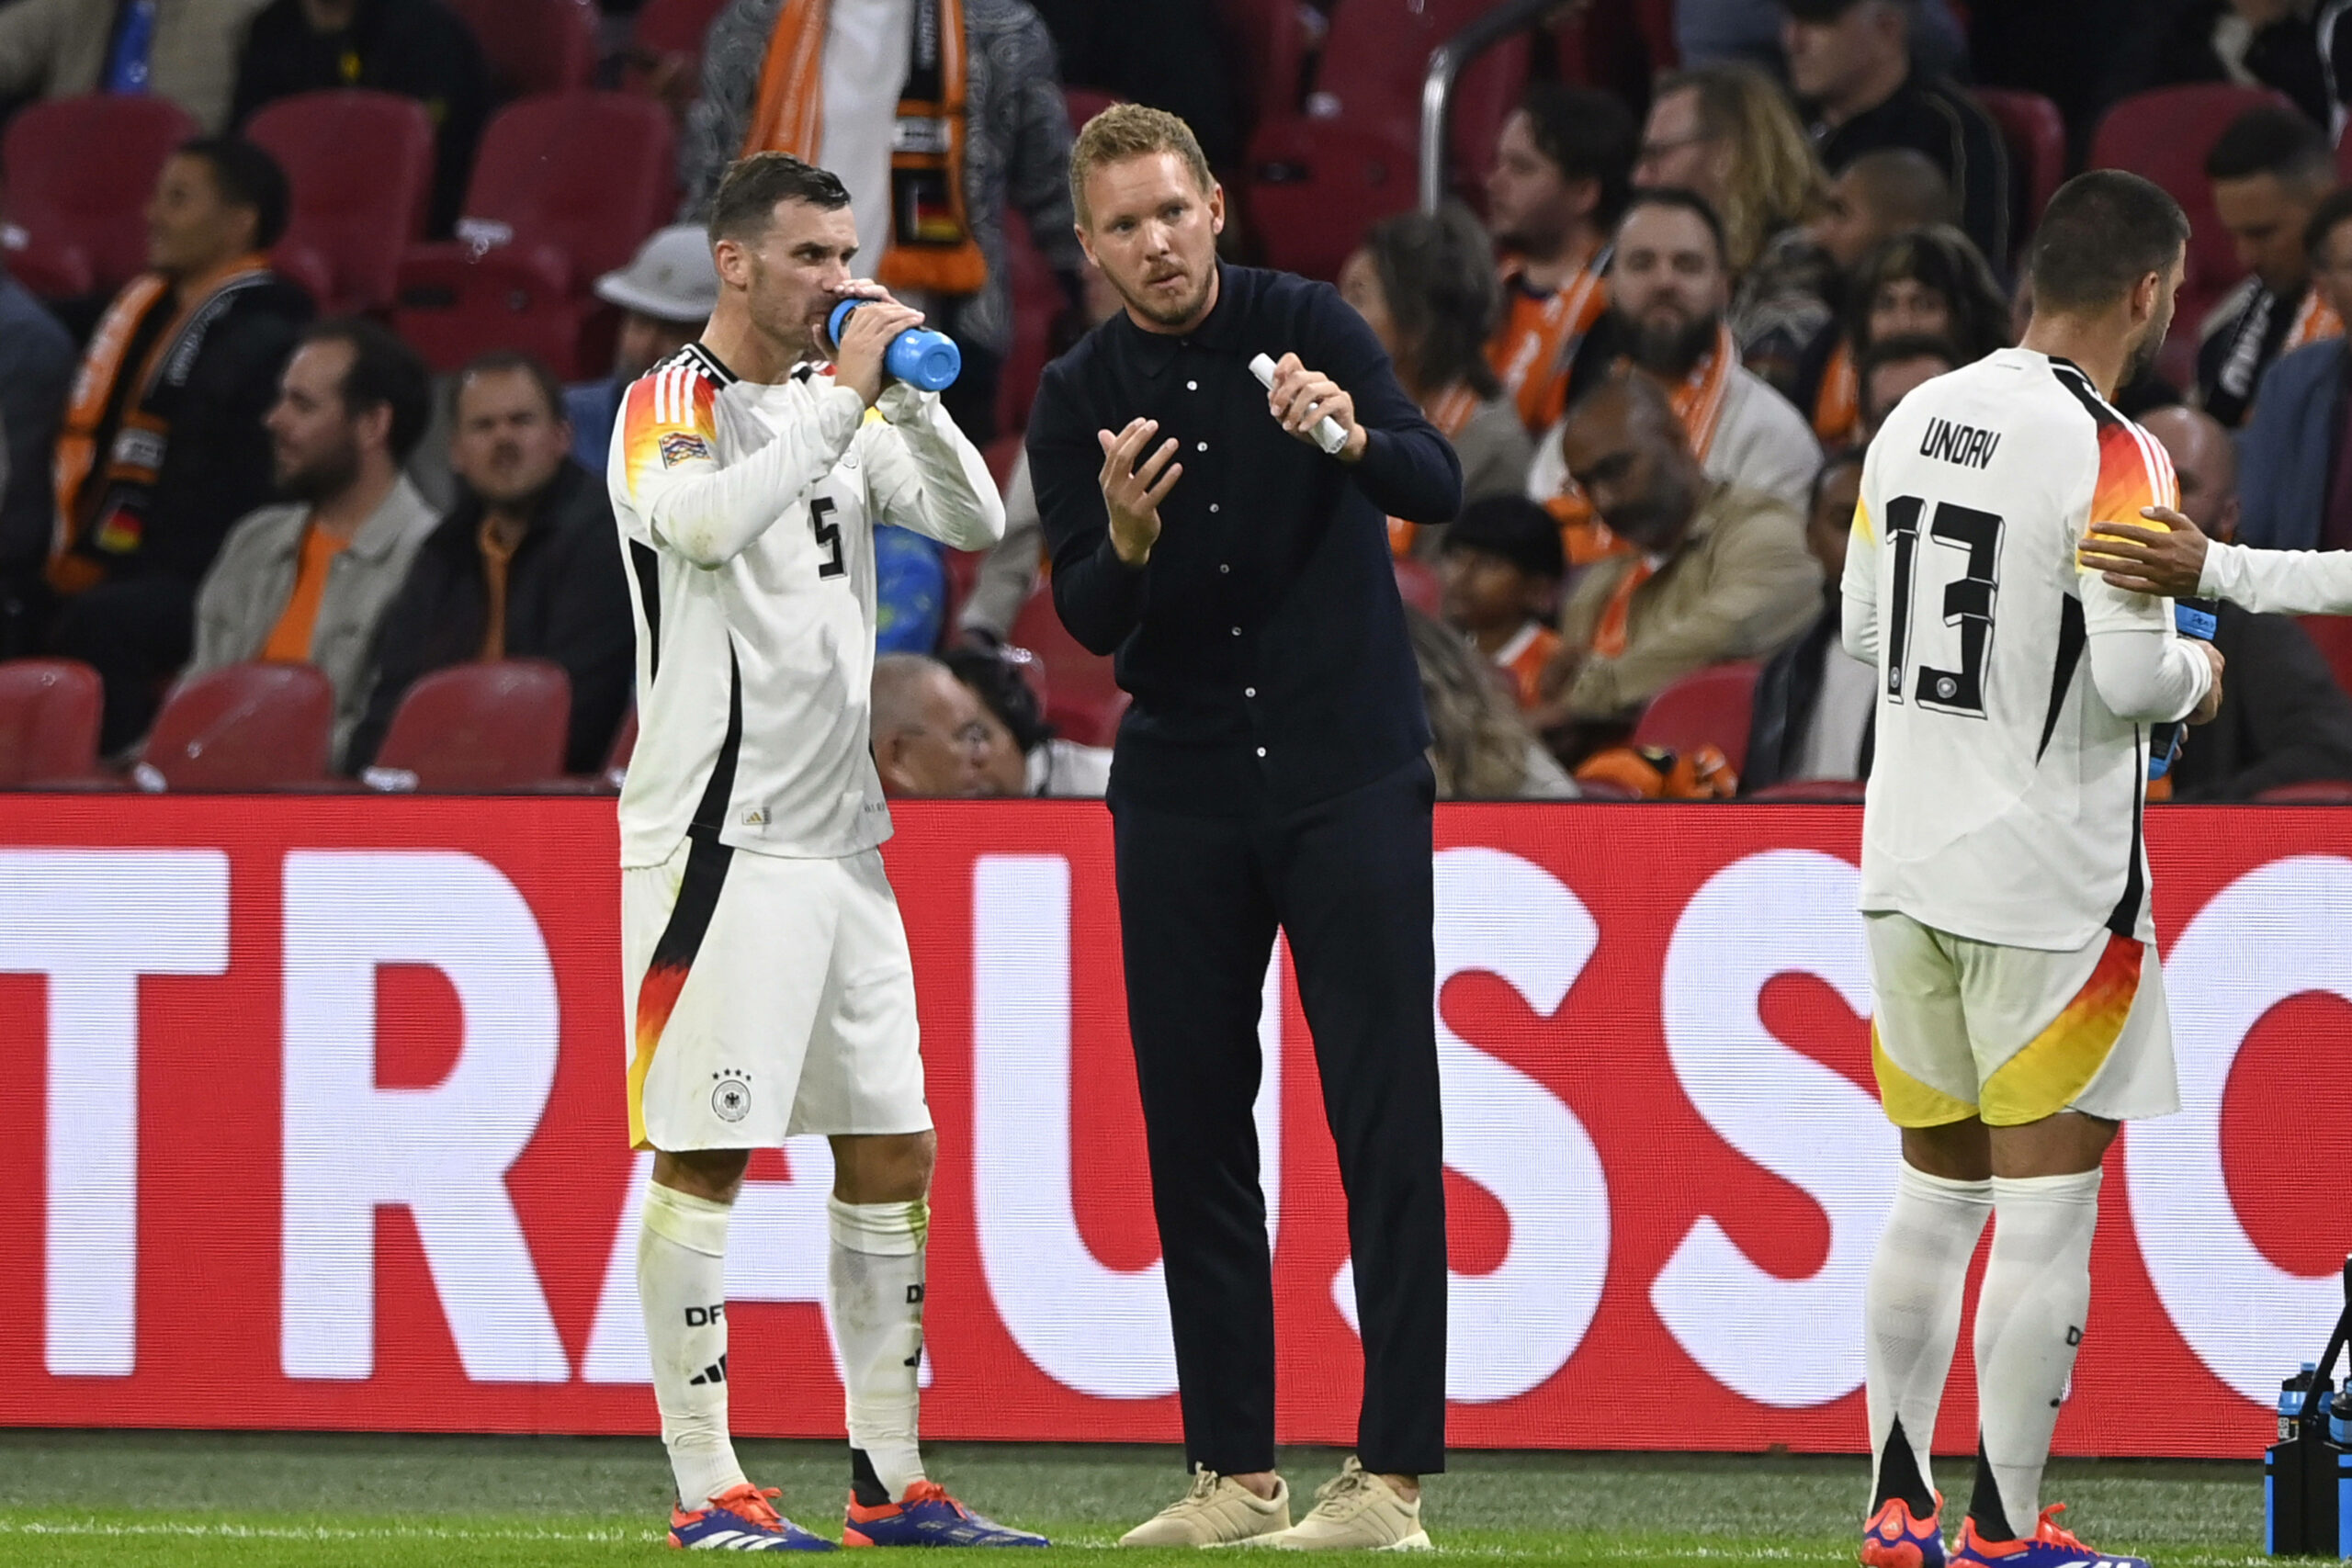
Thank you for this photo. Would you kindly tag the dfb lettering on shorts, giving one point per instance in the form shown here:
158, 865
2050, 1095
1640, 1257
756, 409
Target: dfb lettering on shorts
701, 1317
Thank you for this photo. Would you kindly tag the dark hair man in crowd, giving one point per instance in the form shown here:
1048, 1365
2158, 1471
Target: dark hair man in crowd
1269, 777
1891, 369
523, 567
1811, 718
307, 579
1563, 167
163, 445
417, 49
1502, 563
2297, 487
2288, 719
1849, 63
2268, 170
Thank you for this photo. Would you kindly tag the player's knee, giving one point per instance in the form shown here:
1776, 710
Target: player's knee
895, 1168
715, 1175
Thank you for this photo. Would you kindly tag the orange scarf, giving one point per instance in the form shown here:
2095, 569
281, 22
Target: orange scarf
80, 480
1450, 412
1838, 407
1614, 630
2314, 319
1698, 402
1539, 335
931, 247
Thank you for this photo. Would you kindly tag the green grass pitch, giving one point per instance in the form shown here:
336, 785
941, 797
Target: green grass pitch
260, 1501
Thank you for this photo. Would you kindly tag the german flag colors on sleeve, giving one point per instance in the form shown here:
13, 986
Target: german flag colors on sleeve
668, 427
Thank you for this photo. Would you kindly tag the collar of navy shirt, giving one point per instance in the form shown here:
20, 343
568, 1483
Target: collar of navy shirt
1153, 352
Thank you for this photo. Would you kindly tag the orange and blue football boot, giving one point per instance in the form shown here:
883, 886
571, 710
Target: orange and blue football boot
2048, 1547
926, 1516
740, 1519
1896, 1537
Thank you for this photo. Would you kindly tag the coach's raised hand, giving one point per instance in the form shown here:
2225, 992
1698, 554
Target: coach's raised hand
1132, 492
1301, 398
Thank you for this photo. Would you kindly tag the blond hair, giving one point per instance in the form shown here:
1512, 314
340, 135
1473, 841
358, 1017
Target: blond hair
1775, 180
1131, 131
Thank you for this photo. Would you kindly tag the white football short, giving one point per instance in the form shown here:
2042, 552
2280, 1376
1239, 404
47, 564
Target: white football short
2013, 1034
766, 997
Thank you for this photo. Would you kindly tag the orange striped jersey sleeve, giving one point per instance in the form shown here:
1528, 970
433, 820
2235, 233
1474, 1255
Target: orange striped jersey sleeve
668, 428
2135, 472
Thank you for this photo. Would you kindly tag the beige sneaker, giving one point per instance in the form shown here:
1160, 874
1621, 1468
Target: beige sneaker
1217, 1511
1357, 1511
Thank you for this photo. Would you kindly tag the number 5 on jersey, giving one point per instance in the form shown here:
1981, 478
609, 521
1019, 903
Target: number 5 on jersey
829, 536
1970, 574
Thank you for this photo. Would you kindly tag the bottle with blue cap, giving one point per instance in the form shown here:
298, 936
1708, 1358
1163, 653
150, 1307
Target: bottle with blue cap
2307, 1474
919, 356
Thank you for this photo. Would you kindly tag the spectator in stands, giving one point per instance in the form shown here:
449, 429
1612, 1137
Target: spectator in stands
1562, 169
37, 358
1877, 197
1717, 571
161, 446
931, 735
523, 567
666, 293
1172, 54
1425, 284
1926, 283
2269, 171
182, 50
837, 104
307, 580
2297, 445
1849, 61
417, 49
2287, 720
1669, 289
2255, 43
1479, 747
1727, 133
1010, 572
1023, 756
1892, 366
1502, 566
1813, 705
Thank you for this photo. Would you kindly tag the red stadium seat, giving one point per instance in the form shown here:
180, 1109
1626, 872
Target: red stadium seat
2036, 135
1819, 791
478, 729
2310, 792
49, 722
1270, 40
565, 188
535, 45
1707, 706
670, 34
2333, 635
1088, 720
1319, 177
1083, 104
245, 727
1037, 301
79, 172
2163, 136
1417, 585
1082, 698
361, 167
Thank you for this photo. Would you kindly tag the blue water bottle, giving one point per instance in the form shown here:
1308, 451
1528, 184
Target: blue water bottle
2193, 618
919, 356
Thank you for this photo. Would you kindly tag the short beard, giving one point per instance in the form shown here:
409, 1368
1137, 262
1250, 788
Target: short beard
1670, 351
323, 478
1169, 315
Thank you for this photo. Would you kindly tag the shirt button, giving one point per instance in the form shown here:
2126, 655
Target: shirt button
1248, 691
1192, 386
1261, 751
1222, 567
1200, 447
1214, 507
1236, 631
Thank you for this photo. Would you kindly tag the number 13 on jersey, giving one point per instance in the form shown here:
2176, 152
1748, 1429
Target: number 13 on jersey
1960, 547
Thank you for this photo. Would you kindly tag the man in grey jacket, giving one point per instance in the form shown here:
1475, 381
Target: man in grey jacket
307, 582
182, 50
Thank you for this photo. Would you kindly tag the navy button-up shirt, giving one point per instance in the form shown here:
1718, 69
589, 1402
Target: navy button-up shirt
1263, 640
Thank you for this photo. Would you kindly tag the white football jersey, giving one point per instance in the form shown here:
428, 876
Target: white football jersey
747, 516
2005, 797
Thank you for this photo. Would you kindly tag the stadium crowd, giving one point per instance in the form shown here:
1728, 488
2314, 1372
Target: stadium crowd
1685, 273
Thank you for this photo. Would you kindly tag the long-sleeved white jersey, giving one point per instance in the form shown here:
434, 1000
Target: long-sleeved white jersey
2279, 582
747, 517
2009, 769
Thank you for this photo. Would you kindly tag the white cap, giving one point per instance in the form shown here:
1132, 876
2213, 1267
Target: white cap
670, 279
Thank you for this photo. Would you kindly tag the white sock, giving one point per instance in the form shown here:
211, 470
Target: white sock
1917, 1283
2030, 1318
877, 1275
681, 1283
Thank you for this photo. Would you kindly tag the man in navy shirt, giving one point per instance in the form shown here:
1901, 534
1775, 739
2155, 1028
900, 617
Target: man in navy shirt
1271, 774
